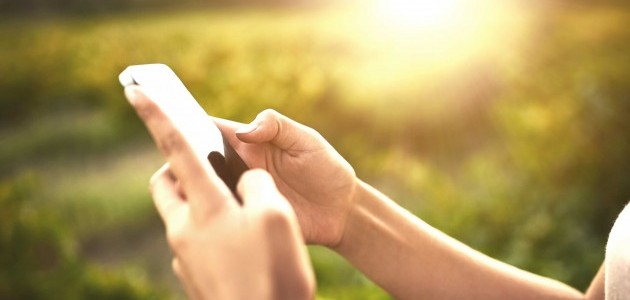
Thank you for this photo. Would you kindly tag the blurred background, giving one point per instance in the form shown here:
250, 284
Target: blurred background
503, 123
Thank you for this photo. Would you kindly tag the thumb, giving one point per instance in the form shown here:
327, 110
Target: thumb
273, 127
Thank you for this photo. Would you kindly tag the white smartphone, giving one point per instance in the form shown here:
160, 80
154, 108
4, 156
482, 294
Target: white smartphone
163, 87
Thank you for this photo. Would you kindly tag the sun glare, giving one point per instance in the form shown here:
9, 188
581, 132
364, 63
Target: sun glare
418, 13
407, 42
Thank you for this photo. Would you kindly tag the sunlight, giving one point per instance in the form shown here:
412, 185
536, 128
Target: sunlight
418, 13
411, 42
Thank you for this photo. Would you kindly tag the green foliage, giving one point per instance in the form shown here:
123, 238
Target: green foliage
336, 279
571, 142
543, 192
39, 255
522, 155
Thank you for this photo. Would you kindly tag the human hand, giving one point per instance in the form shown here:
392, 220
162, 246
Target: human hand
317, 181
224, 250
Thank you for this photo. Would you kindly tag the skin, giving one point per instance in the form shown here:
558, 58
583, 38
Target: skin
407, 257
211, 236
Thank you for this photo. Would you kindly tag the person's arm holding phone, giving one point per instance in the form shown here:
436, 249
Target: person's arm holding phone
404, 255
223, 250
213, 236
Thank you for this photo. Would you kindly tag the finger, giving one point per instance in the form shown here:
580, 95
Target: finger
271, 126
258, 191
229, 128
251, 154
198, 180
166, 198
262, 199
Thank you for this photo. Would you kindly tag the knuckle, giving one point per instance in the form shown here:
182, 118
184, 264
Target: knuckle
312, 132
171, 142
270, 112
176, 239
276, 219
270, 115
145, 108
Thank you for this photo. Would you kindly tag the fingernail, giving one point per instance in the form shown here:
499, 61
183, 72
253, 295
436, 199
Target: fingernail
132, 94
249, 128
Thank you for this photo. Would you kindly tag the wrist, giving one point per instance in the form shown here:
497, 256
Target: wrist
328, 226
355, 218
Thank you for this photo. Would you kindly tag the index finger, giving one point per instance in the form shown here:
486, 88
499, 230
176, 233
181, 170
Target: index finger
167, 201
198, 180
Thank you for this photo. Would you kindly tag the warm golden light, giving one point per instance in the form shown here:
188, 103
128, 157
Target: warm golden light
411, 42
418, 13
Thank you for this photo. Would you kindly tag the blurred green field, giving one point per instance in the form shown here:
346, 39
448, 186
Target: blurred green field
511, 136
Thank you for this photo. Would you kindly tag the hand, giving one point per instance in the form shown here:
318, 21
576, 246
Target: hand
317, 181
223, 250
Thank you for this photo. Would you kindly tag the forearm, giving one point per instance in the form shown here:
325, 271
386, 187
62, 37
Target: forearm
412, 260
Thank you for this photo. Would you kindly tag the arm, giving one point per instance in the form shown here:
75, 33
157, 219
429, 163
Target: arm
413, 260
404, 255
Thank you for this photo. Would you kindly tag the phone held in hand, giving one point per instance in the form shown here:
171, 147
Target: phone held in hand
162, 86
